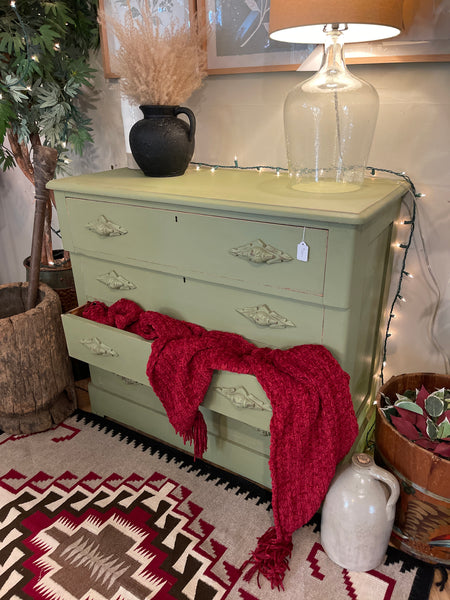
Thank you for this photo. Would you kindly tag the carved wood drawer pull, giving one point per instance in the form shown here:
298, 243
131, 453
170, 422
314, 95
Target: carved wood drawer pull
98, 347
263, 316
258, 252
115, 281
241, 398
104, 227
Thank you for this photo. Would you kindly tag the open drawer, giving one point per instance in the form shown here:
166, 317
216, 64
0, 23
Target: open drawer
106, 347
126, 354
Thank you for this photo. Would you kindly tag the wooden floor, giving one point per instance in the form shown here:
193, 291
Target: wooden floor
84, 404
81, 388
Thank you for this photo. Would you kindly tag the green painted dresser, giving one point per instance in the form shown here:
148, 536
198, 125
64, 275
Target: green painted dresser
226, 249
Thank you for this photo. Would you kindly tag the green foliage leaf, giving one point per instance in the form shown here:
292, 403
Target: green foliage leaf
48, 97
432, 430
6, 115
6, 159
46, 38
434, 405
80, 139
441, 394
23, 131
443, 430
15, 88
72, 87
408, 405
11, 43
59, 11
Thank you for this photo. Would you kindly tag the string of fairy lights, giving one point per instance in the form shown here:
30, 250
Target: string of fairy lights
405, 246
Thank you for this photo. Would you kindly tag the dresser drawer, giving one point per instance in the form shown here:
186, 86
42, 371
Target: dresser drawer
233, 395
120, 352
262, 318
232, 444
245, 253
120, 360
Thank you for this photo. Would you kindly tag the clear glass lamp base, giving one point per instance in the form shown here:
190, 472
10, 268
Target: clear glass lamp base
329, 124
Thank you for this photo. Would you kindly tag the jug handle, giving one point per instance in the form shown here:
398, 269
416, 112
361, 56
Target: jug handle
190, 115
392, 483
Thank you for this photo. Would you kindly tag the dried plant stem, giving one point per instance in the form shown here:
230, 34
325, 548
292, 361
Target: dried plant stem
156, 64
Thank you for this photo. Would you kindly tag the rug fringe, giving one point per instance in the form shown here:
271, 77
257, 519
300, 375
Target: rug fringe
270, 559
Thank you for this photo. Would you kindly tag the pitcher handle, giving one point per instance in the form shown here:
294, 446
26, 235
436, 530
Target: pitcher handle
188, 112
392, 483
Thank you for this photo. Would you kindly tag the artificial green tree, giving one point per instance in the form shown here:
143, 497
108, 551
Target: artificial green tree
45, 48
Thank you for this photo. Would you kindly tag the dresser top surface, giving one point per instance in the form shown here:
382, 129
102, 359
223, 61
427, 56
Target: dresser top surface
239, 191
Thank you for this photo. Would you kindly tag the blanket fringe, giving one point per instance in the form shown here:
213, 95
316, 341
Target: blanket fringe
197, 434
270, 559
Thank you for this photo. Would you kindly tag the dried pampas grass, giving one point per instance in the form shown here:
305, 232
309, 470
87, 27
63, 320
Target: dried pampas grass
156, 64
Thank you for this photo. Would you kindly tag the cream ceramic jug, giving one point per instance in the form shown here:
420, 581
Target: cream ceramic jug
358, 514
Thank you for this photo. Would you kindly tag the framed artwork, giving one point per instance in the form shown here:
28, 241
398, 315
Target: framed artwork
164, 10
238, 40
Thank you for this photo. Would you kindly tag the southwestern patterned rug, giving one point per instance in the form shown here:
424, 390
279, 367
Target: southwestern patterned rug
93, 511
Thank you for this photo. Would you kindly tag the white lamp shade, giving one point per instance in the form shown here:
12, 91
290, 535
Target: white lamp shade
302, 21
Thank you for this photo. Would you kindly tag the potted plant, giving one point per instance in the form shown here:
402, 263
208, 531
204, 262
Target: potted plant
44, 69
159, 68
412, 440
422, 417
44, 64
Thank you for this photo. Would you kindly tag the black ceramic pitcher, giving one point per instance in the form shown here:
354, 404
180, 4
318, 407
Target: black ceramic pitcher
161, 143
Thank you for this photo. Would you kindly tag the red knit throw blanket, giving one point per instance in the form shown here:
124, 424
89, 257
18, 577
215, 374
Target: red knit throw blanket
313, 424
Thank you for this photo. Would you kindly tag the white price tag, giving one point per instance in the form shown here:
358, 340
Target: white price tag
302, 251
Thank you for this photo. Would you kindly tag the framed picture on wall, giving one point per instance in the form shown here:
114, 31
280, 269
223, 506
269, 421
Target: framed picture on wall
238, 39
183, 11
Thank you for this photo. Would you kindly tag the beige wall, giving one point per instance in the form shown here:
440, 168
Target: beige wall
242, 115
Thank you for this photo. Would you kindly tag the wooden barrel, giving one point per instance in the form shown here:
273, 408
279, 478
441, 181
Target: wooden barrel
422, 523
59, 277
36, 381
